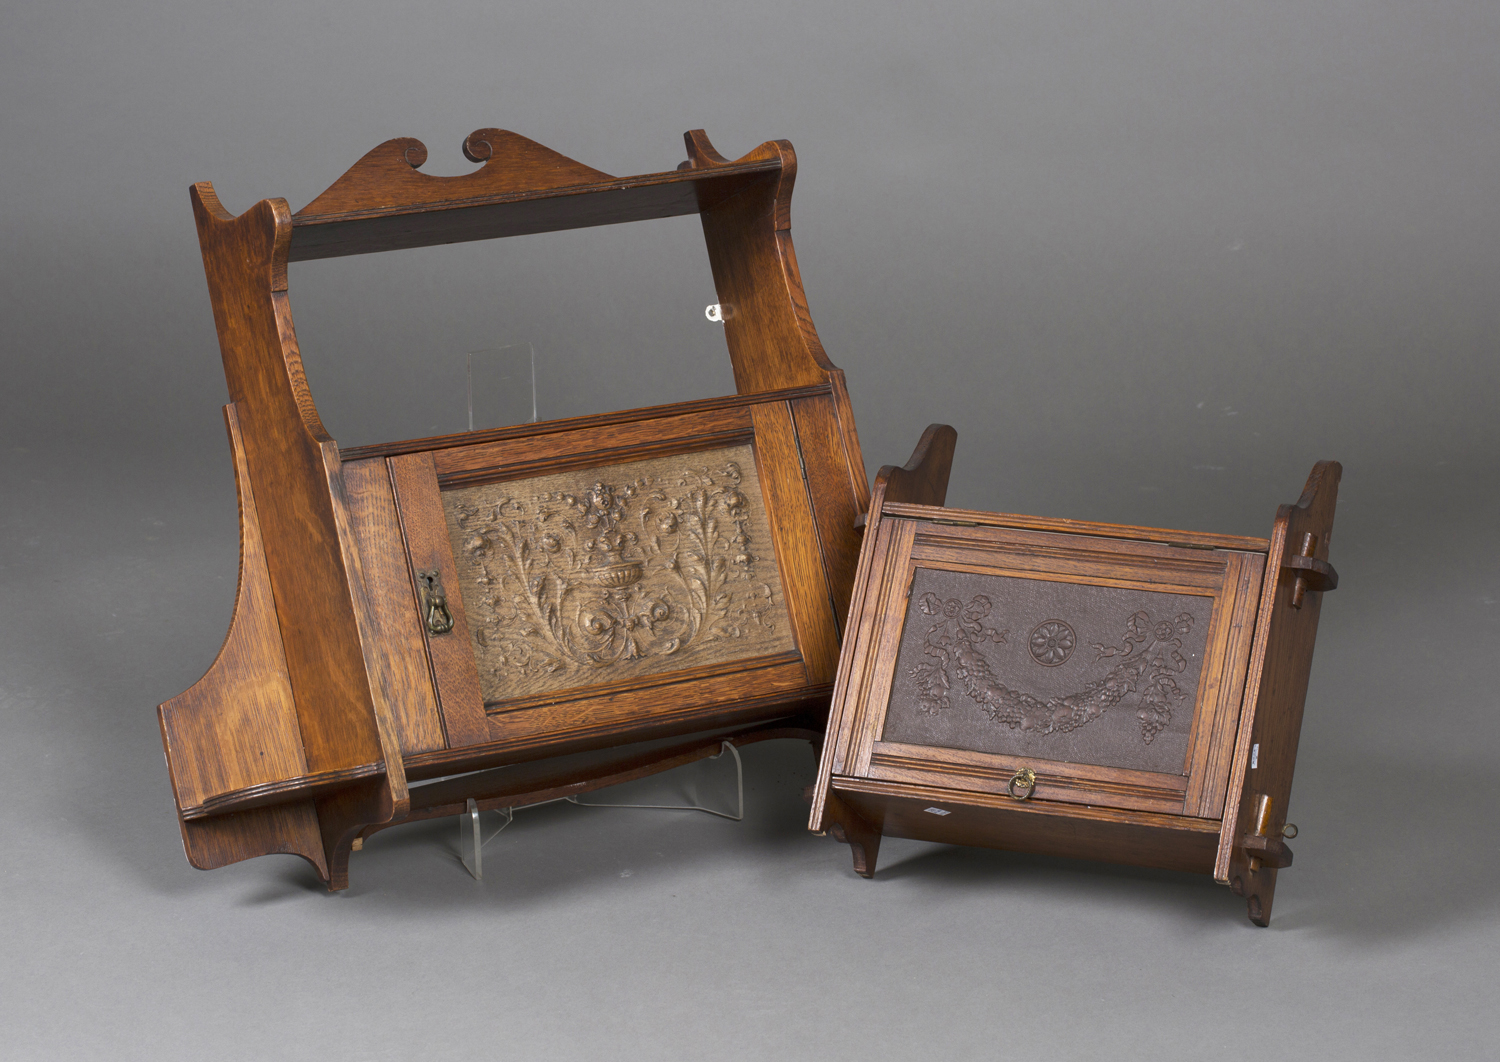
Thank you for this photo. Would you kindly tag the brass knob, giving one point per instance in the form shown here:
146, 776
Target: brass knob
1023, 780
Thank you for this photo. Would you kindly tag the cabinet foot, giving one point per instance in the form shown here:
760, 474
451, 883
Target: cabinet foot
863, 838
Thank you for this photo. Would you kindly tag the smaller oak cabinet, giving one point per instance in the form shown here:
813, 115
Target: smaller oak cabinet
1071, 688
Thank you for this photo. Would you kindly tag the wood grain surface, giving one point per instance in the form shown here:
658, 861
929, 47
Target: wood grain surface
669, 432
394, 604
809, 597
536, 433
285, 444
839, 495
1196, 539
922, 480
236, 727
451, 653
1280, 666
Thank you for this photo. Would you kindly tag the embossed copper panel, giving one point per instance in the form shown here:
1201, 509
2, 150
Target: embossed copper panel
1049, 670
612, 573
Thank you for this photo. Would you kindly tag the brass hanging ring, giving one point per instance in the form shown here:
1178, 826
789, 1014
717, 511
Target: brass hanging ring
1025, 781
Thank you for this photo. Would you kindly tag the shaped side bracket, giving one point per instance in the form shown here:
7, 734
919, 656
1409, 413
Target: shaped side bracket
1260, 782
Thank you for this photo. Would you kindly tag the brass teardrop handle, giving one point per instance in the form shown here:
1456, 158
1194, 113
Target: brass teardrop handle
1025, 781
439, 619
435, 612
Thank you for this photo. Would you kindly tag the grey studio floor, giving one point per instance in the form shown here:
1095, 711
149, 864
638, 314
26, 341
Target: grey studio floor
1152, 261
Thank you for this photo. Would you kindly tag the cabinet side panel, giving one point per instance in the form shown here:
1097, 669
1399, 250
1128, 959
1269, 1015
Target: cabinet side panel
837, 500
393, 604
1280, 665
770, 345
802, 576
237, 726
288, 453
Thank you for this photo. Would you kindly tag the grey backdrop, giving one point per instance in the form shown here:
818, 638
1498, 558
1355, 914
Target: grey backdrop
1151, 259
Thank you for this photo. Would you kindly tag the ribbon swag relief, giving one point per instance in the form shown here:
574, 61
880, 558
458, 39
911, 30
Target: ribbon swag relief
1148, 661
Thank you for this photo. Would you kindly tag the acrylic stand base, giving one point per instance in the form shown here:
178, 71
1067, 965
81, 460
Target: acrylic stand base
687, 779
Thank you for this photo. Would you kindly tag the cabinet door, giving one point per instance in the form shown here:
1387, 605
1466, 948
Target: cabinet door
1111, 669
620, 580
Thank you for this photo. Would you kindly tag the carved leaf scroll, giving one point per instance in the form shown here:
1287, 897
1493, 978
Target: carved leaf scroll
610, 573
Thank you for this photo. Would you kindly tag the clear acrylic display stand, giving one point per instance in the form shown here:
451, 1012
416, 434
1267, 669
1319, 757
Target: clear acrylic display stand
686, 778
471, 843
501, 386
499, 390
682, 783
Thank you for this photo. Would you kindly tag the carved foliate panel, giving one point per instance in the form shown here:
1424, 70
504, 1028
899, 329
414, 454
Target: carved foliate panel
1049, 670
613, 573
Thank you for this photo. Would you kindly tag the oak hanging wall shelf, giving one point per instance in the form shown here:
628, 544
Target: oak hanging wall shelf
539, 610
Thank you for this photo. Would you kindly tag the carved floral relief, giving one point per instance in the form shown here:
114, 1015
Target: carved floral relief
605, 574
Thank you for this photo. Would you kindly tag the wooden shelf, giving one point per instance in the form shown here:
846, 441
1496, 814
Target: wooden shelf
384, 203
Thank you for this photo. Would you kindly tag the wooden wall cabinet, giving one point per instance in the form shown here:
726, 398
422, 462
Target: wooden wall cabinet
1091, 690
541, 609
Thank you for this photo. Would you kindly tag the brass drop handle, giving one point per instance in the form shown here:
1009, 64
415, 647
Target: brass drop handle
435, 612
439, 619
1023, 780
